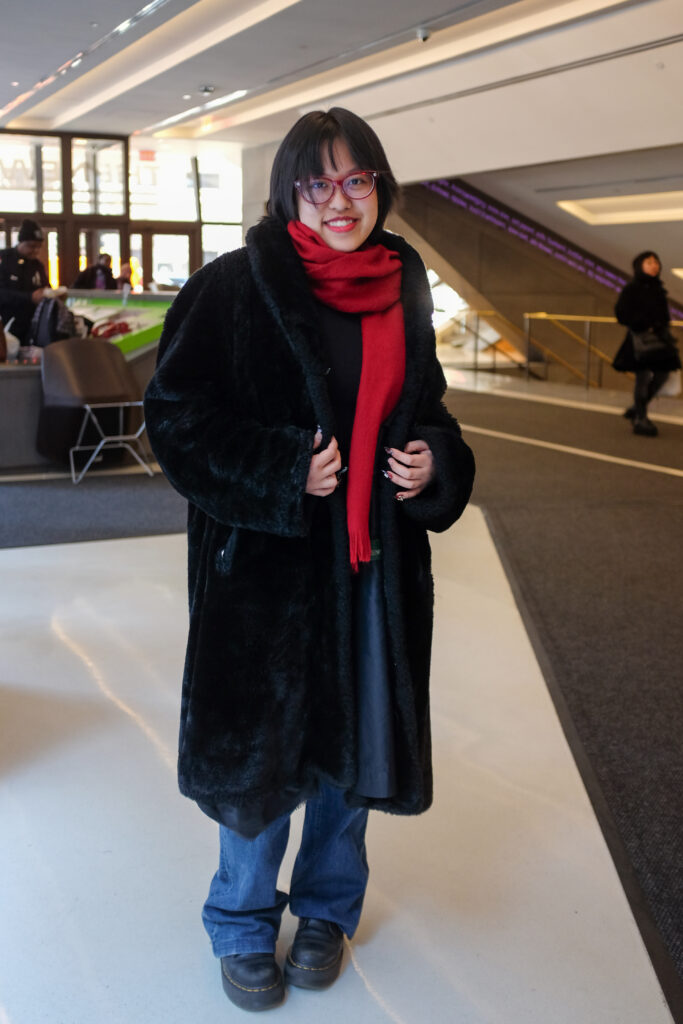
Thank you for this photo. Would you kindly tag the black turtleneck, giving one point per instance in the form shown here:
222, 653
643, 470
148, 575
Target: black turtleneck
342, 342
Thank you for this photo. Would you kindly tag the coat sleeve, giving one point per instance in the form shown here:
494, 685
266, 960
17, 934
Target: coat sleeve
626, 310
4, 272
444, 501
234, 468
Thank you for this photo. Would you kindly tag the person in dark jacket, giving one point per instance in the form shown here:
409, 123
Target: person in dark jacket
297, 405
99, 276
643, 308
23, 279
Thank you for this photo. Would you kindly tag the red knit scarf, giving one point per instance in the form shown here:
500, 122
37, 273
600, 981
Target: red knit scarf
367, 281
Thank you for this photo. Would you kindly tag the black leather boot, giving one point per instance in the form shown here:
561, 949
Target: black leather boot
252, 981
642, 425
315, 957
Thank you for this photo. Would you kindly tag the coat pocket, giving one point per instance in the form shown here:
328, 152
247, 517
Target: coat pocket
226, 554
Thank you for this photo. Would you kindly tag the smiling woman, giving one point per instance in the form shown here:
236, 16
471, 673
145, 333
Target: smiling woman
343, 211
297, 405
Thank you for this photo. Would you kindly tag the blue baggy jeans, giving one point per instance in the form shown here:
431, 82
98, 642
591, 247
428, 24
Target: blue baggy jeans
243, 911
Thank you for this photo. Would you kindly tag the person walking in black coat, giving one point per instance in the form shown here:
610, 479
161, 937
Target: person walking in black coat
297, 405
649, 349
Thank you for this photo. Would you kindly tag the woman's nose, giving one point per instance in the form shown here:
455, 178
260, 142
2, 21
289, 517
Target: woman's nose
339, 200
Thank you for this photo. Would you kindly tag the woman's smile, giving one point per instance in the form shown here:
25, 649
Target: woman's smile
341, 224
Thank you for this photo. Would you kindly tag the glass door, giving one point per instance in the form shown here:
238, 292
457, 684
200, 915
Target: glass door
162, 259
93, 241
170, 261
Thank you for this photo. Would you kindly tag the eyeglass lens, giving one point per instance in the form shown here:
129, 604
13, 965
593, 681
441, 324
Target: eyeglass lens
356, 186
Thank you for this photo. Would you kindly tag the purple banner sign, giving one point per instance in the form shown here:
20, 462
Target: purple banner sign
544, 241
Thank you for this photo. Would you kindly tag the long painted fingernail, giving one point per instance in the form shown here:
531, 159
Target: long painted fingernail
388, 450
386, 474
399, 497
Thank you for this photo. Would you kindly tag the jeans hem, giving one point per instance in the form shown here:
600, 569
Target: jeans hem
318, 913
252, 946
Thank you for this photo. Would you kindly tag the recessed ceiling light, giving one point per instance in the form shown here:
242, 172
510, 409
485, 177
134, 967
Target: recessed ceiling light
14, 84
644, 208
171, 120
187, 96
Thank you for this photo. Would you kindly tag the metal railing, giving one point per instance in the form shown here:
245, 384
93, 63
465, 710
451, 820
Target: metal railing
594, 356
559, 320
487, 314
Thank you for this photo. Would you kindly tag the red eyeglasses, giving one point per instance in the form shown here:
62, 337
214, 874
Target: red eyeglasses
358, 185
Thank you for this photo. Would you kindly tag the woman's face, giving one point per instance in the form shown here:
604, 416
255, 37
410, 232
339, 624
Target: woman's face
342, 223
651, 266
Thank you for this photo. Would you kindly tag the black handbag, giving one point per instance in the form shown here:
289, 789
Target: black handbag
648, 344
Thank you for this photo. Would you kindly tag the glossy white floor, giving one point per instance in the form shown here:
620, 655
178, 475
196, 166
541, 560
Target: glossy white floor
500, 905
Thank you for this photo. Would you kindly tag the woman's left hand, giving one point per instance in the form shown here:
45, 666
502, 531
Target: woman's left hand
411, 469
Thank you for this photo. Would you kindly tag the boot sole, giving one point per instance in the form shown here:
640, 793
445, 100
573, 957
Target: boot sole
312, 977
253, 999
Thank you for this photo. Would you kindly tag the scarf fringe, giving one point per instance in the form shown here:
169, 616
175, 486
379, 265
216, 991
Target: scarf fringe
360, 549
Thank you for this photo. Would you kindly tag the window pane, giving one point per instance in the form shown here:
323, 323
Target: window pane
170, 260
51, 153
82, 250
25, 160
53, 258
110, 242
161, 185
135, 263
97, 176
219, 238
220, 186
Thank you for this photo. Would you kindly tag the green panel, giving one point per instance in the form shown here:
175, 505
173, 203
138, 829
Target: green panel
134, 340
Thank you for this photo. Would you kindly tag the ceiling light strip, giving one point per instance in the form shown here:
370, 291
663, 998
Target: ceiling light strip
220, 101
638, 208
146, 68
74, 62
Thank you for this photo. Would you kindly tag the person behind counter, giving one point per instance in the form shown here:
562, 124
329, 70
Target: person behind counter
23, 279
126, 275
99, 276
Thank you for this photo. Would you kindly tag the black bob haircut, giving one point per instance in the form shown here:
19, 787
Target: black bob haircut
640, 259
299, 156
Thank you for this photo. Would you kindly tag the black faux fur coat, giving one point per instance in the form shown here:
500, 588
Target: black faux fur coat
268, 704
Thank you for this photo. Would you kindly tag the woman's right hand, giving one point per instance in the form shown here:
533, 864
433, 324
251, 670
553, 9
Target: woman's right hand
322, 472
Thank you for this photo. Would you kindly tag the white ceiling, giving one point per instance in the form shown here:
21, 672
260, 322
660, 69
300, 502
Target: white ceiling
266, 44
531, 100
